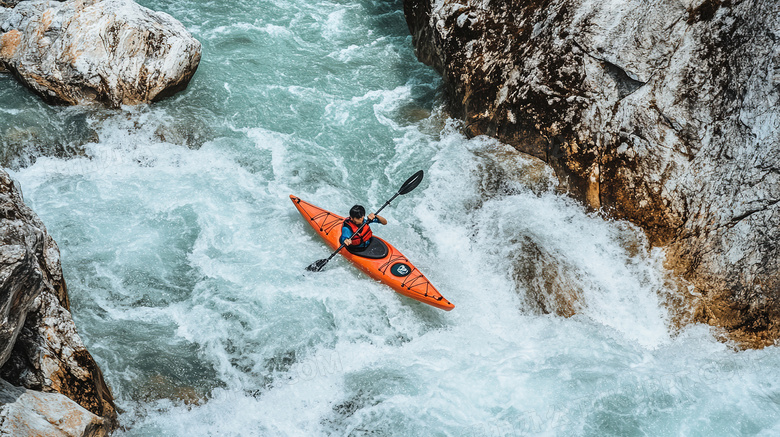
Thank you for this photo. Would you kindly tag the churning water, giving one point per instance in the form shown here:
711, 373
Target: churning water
185, 258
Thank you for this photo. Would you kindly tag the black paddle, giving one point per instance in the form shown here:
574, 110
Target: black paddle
408, 186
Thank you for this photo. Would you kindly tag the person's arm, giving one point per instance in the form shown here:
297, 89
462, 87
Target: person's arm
373, 218
346, 236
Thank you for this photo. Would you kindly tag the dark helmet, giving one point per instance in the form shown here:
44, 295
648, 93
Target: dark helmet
357, 211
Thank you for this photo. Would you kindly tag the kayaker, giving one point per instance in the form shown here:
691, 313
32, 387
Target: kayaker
353, 222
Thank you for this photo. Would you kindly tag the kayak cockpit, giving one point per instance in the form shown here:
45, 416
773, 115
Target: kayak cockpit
376, 249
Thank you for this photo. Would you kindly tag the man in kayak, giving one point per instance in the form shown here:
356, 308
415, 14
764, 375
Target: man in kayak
351, 225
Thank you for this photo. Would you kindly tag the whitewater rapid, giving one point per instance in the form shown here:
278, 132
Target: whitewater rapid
185, 259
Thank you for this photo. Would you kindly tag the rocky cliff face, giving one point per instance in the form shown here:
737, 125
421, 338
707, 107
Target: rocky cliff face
113, 51
664, 113
39, 346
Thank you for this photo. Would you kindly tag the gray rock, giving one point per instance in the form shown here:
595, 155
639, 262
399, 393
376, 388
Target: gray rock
41, 349
113, 51
30, 413
29, 263
50, 356
664, 113
12, 3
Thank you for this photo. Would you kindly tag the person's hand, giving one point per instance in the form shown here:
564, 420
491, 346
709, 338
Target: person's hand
371, 216
348, 242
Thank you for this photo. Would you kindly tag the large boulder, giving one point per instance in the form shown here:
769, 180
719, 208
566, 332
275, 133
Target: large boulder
664, 113
31, 413
40, 348
113, 51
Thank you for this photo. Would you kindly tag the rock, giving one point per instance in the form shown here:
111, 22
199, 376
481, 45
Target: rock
30, 413
10, 3
505, 171
663, 113
112, 51
29, 263
50, 356
41, 348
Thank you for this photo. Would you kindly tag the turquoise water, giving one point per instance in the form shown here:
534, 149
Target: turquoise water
185, 258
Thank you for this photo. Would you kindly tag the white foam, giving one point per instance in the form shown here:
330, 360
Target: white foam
196, 257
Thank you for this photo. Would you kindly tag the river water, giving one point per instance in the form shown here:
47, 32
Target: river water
185, 257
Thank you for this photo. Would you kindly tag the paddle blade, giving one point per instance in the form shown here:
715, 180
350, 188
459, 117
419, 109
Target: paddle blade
411, 183
317, 265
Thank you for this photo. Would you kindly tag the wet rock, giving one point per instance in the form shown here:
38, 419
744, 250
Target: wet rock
663, 113
505, 171
9, 3
544, 279
31, 413
50, 356
29, 263
112, 51
41, 349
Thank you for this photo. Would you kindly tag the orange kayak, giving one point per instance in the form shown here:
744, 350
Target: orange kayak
380, 260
